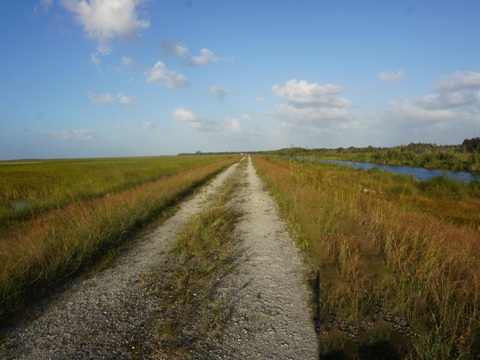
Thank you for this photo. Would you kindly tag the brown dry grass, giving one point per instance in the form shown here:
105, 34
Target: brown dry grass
379, 259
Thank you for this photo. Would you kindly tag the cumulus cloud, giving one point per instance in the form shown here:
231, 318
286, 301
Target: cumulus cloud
105, 98
311, 107
411, 110
147, 126
169, 78
128, 62
309, 113
106, 20
206, 56
187, 117
173, 48
447, 100
260, 100
459, 80
95, 60
453, 100
176, 49
73, 135
391, 76
301, 93
108, 98
235, 126
220, 92
124, 99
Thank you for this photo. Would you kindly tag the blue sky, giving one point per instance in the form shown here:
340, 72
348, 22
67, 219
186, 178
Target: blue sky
98, 78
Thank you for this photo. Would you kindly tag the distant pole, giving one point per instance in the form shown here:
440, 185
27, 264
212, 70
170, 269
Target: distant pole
377, 130
415, 136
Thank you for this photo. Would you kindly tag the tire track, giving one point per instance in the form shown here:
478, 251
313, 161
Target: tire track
270, 319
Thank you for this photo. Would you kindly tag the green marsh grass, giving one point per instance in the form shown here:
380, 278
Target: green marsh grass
45, 250
28, 189
388, 250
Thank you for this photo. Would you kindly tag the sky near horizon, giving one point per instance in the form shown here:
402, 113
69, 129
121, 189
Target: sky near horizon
101, 78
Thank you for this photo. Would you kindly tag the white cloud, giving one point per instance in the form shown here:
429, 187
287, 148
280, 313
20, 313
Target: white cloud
409, 110
124, 99
147, 126
260, 100
320, 115
302, 93
206, 55
105, 98
108, 98
170, 78
220, 92
186, 116
312, 108
95, 60
106, 20
453, 101
235, 126
459, 80
447, 100
73, 135
391, 76
172, 48
128, 62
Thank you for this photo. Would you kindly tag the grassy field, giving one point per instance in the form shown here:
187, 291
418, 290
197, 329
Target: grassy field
94, 206
28, 189
396, 261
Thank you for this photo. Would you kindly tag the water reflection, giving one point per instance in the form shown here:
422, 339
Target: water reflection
19, 205
417, 173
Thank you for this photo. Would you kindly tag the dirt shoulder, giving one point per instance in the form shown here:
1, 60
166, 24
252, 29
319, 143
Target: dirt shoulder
108, 315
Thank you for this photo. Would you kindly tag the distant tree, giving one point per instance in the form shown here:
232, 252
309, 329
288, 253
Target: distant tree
471, 145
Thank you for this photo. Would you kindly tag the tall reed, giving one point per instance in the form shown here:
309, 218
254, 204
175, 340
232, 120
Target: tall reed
380, 260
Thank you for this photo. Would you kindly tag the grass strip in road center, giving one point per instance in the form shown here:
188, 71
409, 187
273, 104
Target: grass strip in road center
203, 254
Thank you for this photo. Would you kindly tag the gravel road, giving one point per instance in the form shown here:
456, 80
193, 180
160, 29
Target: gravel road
106, 316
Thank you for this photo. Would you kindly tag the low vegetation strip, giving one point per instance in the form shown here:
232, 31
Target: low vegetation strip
50, 247
200, 257
392, 278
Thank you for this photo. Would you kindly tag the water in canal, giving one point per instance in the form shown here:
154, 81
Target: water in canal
417, 173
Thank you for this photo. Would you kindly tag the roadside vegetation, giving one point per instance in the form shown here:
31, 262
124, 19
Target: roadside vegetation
200, 257
464, 157
38, 253
396, 261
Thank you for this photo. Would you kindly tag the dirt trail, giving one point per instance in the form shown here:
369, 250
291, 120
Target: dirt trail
106, 316
271, 319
